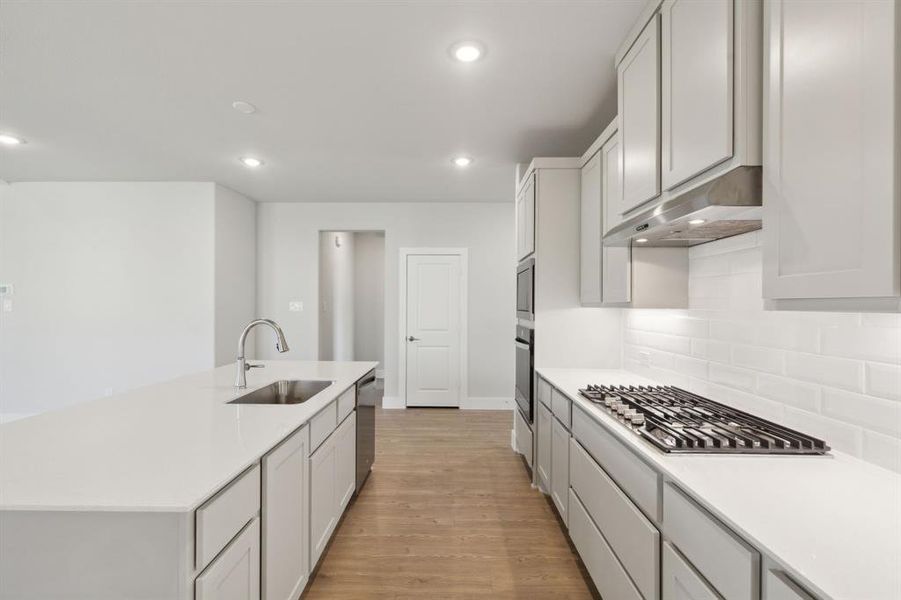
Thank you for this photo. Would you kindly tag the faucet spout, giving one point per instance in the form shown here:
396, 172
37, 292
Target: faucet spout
281, 344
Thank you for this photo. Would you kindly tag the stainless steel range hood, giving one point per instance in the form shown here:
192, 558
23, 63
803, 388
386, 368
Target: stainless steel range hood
722, 207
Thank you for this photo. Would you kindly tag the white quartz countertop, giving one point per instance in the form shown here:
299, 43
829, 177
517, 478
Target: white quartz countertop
832, 522
165, 447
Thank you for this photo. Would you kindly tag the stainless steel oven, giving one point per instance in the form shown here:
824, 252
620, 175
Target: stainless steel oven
525, 370
525, 290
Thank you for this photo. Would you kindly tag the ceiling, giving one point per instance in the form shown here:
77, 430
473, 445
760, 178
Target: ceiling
357, 101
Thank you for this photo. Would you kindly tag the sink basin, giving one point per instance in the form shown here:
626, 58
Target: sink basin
284, 392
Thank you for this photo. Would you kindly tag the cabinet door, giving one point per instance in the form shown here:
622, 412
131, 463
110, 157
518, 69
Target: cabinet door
590, 231
543, 420
520, 226
323, 491
638, 78
616, 268
235, 573
529, 218
560, 469
346, 442
680, 582
697, 87
830, 164
286, 528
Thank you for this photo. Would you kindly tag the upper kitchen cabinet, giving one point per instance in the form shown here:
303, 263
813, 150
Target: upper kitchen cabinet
832, 149
689, 99
525, 219
638, 79
696, 83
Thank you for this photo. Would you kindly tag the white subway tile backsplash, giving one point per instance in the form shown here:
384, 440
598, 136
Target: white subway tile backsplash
881, 344
873, 413
789, 391
883, 380
882, 450
833, 375
826, 370
758, 358
732, 376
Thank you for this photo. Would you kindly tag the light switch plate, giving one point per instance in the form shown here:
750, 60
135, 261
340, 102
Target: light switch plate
7, 305
295, 306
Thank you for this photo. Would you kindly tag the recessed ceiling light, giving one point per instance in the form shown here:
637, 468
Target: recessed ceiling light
697, 221
10, 140
641, 241
243, 107
462, 161
467, 51
249, 161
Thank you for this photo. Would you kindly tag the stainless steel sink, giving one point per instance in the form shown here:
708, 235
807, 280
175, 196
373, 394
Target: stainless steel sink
284, 392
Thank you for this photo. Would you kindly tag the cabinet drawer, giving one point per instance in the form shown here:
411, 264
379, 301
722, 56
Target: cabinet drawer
606, 572
725, 560
346, 403
544, 392
221, 517
236, 572
634, 540
680, 582
323, 424
639, 481
780, 587
560, 404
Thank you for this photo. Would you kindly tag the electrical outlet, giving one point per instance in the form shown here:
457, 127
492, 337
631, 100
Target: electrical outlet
644, 358
7, 305
295, 306
6, 289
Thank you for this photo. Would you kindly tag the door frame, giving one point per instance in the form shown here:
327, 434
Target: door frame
404, 253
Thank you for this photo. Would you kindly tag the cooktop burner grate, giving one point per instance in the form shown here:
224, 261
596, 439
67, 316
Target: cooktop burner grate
677, 421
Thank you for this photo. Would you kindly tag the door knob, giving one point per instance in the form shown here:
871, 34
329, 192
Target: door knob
412, 339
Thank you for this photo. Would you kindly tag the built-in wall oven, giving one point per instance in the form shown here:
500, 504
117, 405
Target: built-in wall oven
525, 290
525, 370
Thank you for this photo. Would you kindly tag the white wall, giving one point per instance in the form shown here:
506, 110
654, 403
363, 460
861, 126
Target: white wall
833, 375
288, 241
369, 297
235, 232
113, 288
336, 295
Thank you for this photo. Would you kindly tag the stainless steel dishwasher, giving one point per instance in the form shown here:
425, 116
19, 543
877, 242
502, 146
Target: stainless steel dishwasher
369, 395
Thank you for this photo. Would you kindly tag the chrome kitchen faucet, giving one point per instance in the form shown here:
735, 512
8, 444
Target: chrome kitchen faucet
281, 344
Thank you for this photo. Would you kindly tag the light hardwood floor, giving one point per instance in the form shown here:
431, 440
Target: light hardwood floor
448, 512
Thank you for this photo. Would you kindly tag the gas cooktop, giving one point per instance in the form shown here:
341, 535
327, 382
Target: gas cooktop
677, 421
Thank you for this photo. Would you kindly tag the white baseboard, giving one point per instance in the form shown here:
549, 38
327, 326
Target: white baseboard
393, 402
9, 417
487, 403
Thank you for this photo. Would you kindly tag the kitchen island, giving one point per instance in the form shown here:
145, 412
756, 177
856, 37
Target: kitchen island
143, 494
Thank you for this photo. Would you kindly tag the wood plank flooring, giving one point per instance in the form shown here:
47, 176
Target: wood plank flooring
448, 512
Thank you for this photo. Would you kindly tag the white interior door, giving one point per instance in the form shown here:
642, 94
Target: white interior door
433, 332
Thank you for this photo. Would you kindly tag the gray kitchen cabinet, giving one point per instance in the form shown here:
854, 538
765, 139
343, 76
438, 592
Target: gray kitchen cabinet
543, 428
235, 573
832, 161
778, 586
560, 468
525, 219
522, 437
680, 581
616, 269
591, 225
346, 442
286, 518
638, 79
697, 87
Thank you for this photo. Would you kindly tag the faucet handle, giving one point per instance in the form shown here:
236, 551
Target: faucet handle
249, 366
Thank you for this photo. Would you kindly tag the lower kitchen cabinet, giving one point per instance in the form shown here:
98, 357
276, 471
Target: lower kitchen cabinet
286, 519
779, 587
235, 573
331, 485
560, 469
680, 581
522, 437
543, 429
